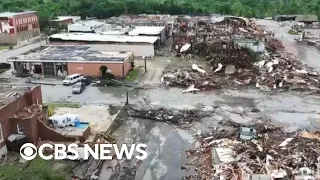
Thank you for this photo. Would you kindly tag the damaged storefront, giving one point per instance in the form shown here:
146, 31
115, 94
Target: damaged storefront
23, 69
66, 60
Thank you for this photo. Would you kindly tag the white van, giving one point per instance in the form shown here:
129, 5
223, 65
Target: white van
72, 79
64, 120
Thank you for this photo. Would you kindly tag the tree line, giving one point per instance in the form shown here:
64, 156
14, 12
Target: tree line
108, 8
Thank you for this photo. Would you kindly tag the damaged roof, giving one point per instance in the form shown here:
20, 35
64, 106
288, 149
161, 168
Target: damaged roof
9, 93
69, 54
93, 37
147, 30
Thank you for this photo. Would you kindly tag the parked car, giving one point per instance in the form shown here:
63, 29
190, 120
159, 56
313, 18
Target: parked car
72, 79
246, 133
87, 80
78, 88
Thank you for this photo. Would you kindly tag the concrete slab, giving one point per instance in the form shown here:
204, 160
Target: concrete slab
98, 116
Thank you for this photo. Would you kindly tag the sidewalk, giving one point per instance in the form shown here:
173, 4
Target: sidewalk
25, 43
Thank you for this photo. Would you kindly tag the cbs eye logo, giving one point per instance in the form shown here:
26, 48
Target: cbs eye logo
28, 151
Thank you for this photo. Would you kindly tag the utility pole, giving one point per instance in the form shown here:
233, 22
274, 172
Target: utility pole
50, 23
127, 101
92, 12
145, 64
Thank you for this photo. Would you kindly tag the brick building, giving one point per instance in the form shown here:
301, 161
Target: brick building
24, 119
66, 60
12, 101
18, 26
63, 20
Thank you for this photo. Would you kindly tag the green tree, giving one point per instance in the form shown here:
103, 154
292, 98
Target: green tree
237, 8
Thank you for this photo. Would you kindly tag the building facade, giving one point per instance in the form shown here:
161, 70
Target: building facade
64, 20
16, 27
58, 61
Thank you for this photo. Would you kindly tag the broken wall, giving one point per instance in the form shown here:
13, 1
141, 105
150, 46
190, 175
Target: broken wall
29, 125
47, 133
32, 97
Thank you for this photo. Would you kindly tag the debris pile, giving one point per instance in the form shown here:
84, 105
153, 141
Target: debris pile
276, 70
238, 53
194, 80
225, 154
173, 117
227, 53
279, 70
28, 111
274, 45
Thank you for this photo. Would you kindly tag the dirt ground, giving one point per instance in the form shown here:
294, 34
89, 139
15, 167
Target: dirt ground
100, 117
157, 65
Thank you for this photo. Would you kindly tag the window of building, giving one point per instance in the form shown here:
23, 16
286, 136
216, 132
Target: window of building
19, 129
1, 134
48, 69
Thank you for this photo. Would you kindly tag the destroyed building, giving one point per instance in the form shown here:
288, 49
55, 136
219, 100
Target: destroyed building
13, 101
237, 52
193, 30
25, 119
273, 154
67, 60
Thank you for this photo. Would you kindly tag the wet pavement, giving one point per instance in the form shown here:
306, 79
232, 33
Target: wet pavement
166, 144
306, 54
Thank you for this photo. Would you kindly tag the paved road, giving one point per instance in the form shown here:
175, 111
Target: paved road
5, 55
307, 54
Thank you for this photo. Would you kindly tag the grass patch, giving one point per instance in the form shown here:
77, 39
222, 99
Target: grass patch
293, 32
37, 169
3, 70
52, 106
4, 47
133, 75
63, 104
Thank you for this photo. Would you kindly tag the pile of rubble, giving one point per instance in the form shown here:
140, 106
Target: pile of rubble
28, 111
276, 70
169, 116
195, 81
265, 150
279, 70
